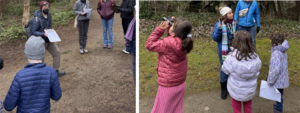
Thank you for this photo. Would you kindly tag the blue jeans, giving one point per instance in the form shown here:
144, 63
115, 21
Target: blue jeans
280, 104
133, 66
223, 76
107, 26
251, 30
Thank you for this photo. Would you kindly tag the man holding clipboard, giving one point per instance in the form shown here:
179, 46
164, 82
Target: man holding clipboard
38, 29
83, 10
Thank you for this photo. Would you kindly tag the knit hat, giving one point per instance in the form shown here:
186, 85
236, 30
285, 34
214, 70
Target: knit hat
35, 48
225, 10
44, 3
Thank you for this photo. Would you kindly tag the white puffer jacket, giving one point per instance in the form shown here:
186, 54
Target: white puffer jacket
243, 76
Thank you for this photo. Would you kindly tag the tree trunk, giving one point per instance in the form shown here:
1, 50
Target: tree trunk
274, 9
279, 9
1, 6
26, 12
72, 3
298, 9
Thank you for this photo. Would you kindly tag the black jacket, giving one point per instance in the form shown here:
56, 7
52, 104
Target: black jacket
127, 9
1, 63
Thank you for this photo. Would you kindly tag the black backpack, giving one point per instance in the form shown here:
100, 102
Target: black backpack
28, 26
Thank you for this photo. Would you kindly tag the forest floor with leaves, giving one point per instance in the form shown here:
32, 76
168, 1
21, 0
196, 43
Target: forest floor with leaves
99, 81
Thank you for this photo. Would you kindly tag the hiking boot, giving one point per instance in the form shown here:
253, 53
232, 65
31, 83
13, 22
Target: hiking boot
81, 51
60, 73
224, 90
125, 51
109, 46
85, 50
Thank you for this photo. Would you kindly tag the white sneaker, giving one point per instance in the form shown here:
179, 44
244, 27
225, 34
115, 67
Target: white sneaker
85, 50
125, 51
81, 51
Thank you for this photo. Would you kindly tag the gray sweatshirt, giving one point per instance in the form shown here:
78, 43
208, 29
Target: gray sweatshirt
78, 8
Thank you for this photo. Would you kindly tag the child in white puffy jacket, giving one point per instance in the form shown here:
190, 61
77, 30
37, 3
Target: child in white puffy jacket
243, 66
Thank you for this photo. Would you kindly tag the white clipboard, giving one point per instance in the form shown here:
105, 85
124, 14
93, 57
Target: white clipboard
269, 92
86, 10
52, 35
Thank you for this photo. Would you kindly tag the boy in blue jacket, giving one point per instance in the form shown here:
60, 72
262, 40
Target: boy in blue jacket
34, 85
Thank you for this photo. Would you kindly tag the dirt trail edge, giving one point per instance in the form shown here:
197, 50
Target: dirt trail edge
97, 82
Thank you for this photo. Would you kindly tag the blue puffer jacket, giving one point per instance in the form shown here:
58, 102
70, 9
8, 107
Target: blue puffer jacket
253, 13
32, 89
36, 29
217, 35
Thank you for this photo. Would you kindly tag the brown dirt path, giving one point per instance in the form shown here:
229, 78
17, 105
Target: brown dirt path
99, 81
211, 102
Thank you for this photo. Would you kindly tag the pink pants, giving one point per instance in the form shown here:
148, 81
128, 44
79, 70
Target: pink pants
236, 106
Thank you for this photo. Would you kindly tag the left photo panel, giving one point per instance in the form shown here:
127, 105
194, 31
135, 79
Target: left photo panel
68, 56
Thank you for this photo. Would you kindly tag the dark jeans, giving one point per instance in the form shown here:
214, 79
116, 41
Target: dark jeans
83, 26
251, 30
280, 104
125, 24
133, 66
223, 76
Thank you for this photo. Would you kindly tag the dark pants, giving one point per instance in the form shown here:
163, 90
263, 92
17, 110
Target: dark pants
223, 76
133, 66
83, 26
279, 105
125, 24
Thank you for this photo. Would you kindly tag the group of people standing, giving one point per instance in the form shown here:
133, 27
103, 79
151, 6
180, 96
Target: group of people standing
240, 64
34, 86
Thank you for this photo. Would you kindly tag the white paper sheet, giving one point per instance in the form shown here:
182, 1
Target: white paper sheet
269, 92
52, 35
87, 10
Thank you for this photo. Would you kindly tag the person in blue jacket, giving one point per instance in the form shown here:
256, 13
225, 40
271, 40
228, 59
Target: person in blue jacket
227, 18
34, 85
38, 27
247, 22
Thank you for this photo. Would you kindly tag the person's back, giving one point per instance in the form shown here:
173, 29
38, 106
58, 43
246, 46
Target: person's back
34, 85
243, 67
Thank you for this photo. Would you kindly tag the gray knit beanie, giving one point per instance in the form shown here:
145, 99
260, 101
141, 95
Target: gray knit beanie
35, 48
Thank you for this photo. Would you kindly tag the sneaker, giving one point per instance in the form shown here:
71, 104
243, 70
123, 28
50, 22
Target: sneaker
81, 51
60, 73
109, 46
104, 46
85, 50
125, 51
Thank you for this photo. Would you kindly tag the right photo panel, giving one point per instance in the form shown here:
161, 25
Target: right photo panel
219, 56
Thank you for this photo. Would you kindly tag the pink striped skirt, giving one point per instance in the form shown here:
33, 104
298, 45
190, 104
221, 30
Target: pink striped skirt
169, 99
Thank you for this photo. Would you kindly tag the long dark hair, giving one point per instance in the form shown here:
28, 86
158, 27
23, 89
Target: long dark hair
243, 43
182, 28
277, 39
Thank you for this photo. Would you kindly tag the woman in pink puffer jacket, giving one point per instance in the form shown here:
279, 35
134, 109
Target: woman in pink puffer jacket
171, 64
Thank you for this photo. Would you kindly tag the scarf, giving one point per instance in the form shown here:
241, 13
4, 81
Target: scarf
224, 38
129, 33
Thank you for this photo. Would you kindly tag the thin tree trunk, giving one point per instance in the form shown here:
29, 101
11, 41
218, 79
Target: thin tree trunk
279, 9
298, 9
1, 6
274, 9
26, 12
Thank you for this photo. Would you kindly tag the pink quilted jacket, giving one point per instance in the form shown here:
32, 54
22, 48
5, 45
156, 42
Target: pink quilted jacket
171, 61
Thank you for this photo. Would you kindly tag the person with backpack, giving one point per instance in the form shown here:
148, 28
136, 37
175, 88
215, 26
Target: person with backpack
33, 86
107, 19
126, 9
83, 20
245, 13
39, 24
